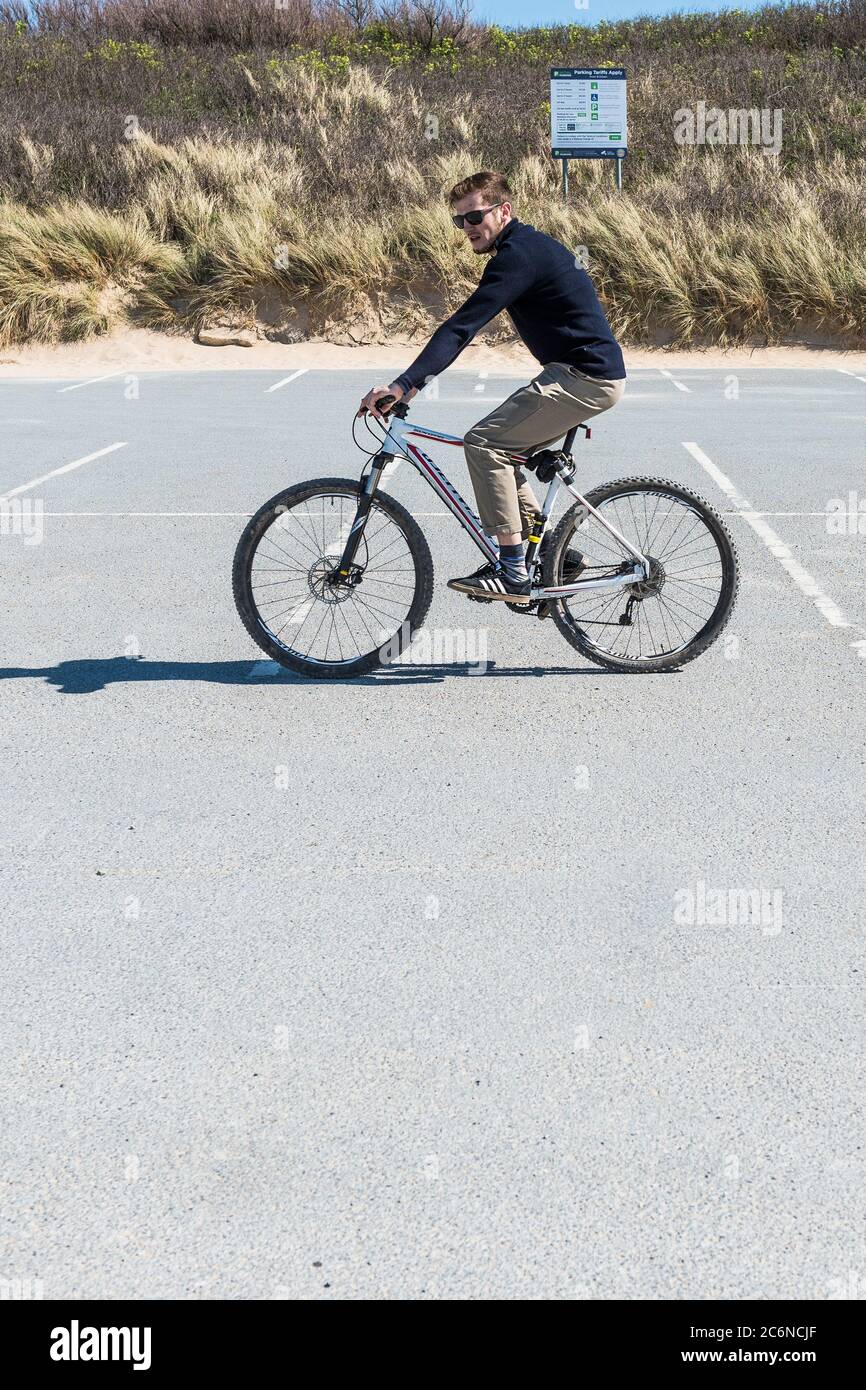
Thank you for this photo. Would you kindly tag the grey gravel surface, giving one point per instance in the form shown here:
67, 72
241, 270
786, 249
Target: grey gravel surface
385, 989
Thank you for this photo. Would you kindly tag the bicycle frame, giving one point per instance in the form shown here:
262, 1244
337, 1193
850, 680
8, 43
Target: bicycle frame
397, 443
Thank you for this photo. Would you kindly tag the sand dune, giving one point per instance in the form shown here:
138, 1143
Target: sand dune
142, 350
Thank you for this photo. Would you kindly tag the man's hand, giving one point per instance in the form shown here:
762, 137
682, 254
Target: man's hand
376, 394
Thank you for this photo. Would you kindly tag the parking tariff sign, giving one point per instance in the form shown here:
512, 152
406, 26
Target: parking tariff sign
588, 113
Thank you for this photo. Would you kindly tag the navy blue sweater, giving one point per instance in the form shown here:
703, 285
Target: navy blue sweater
550, 299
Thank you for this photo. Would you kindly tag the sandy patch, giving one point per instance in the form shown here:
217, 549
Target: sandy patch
142, 350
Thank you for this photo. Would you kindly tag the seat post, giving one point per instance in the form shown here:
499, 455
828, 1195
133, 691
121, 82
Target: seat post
569, 438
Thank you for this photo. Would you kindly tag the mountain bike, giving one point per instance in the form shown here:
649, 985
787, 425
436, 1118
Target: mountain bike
334, 577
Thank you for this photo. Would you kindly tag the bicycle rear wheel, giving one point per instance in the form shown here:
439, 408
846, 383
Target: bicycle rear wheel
674, 615
285, 596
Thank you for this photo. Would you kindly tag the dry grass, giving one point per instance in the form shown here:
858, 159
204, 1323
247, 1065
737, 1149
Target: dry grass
211, 239
325, 192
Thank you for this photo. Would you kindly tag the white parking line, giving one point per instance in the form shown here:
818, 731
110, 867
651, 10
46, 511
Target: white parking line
854, 374
286, 379
93, 381
265, 668
776, 546
670, 376
66, 468
338, 544
729, 513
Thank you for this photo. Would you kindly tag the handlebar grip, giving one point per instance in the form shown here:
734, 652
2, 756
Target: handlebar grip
384, 402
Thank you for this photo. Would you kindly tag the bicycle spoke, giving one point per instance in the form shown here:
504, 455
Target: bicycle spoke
270, 540
673, 617
350, 632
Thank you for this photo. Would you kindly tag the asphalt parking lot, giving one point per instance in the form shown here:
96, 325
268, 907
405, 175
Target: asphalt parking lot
437, 983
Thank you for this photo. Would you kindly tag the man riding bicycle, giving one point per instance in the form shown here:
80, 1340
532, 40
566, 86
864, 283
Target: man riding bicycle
554, 307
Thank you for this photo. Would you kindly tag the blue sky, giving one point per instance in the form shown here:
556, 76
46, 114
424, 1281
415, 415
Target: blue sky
518, 12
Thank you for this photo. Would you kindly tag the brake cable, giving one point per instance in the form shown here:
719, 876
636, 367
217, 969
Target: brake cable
371, 453
380, 439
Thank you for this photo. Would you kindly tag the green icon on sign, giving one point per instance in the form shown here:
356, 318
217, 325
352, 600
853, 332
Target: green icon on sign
595, 115
593, 84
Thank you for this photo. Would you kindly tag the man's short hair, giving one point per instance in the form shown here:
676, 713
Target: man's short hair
493, 187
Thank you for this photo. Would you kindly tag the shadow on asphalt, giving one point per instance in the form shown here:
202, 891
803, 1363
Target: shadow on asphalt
87, 676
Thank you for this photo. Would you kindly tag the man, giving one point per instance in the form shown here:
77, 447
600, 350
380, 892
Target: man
554, 307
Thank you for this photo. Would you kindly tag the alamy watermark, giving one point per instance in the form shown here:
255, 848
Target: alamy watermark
461, 646
702, 906
77, 1343
846, 516
700, 125
852, 1285
21, 1290
24, 517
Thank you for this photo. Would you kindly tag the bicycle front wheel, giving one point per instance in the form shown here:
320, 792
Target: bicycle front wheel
682, 606
287, 601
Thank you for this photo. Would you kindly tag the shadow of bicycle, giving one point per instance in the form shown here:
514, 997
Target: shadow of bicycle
86, 676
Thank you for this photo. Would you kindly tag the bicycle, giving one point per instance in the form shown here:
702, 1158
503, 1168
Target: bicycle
357, 574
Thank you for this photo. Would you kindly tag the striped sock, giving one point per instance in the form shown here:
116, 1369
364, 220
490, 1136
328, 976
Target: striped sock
513, 560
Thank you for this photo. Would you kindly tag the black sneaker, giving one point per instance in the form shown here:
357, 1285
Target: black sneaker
491, 582
483, 573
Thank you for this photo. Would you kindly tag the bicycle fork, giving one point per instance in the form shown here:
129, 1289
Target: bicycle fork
343, 570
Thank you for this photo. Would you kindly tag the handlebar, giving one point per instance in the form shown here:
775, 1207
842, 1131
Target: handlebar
384, 403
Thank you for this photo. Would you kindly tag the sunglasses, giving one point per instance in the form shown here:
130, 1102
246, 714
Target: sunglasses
473, 218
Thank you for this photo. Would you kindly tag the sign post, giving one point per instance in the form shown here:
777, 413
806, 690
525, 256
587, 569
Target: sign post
588, 117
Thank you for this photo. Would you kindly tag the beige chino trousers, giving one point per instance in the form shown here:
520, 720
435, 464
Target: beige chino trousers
533, 417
